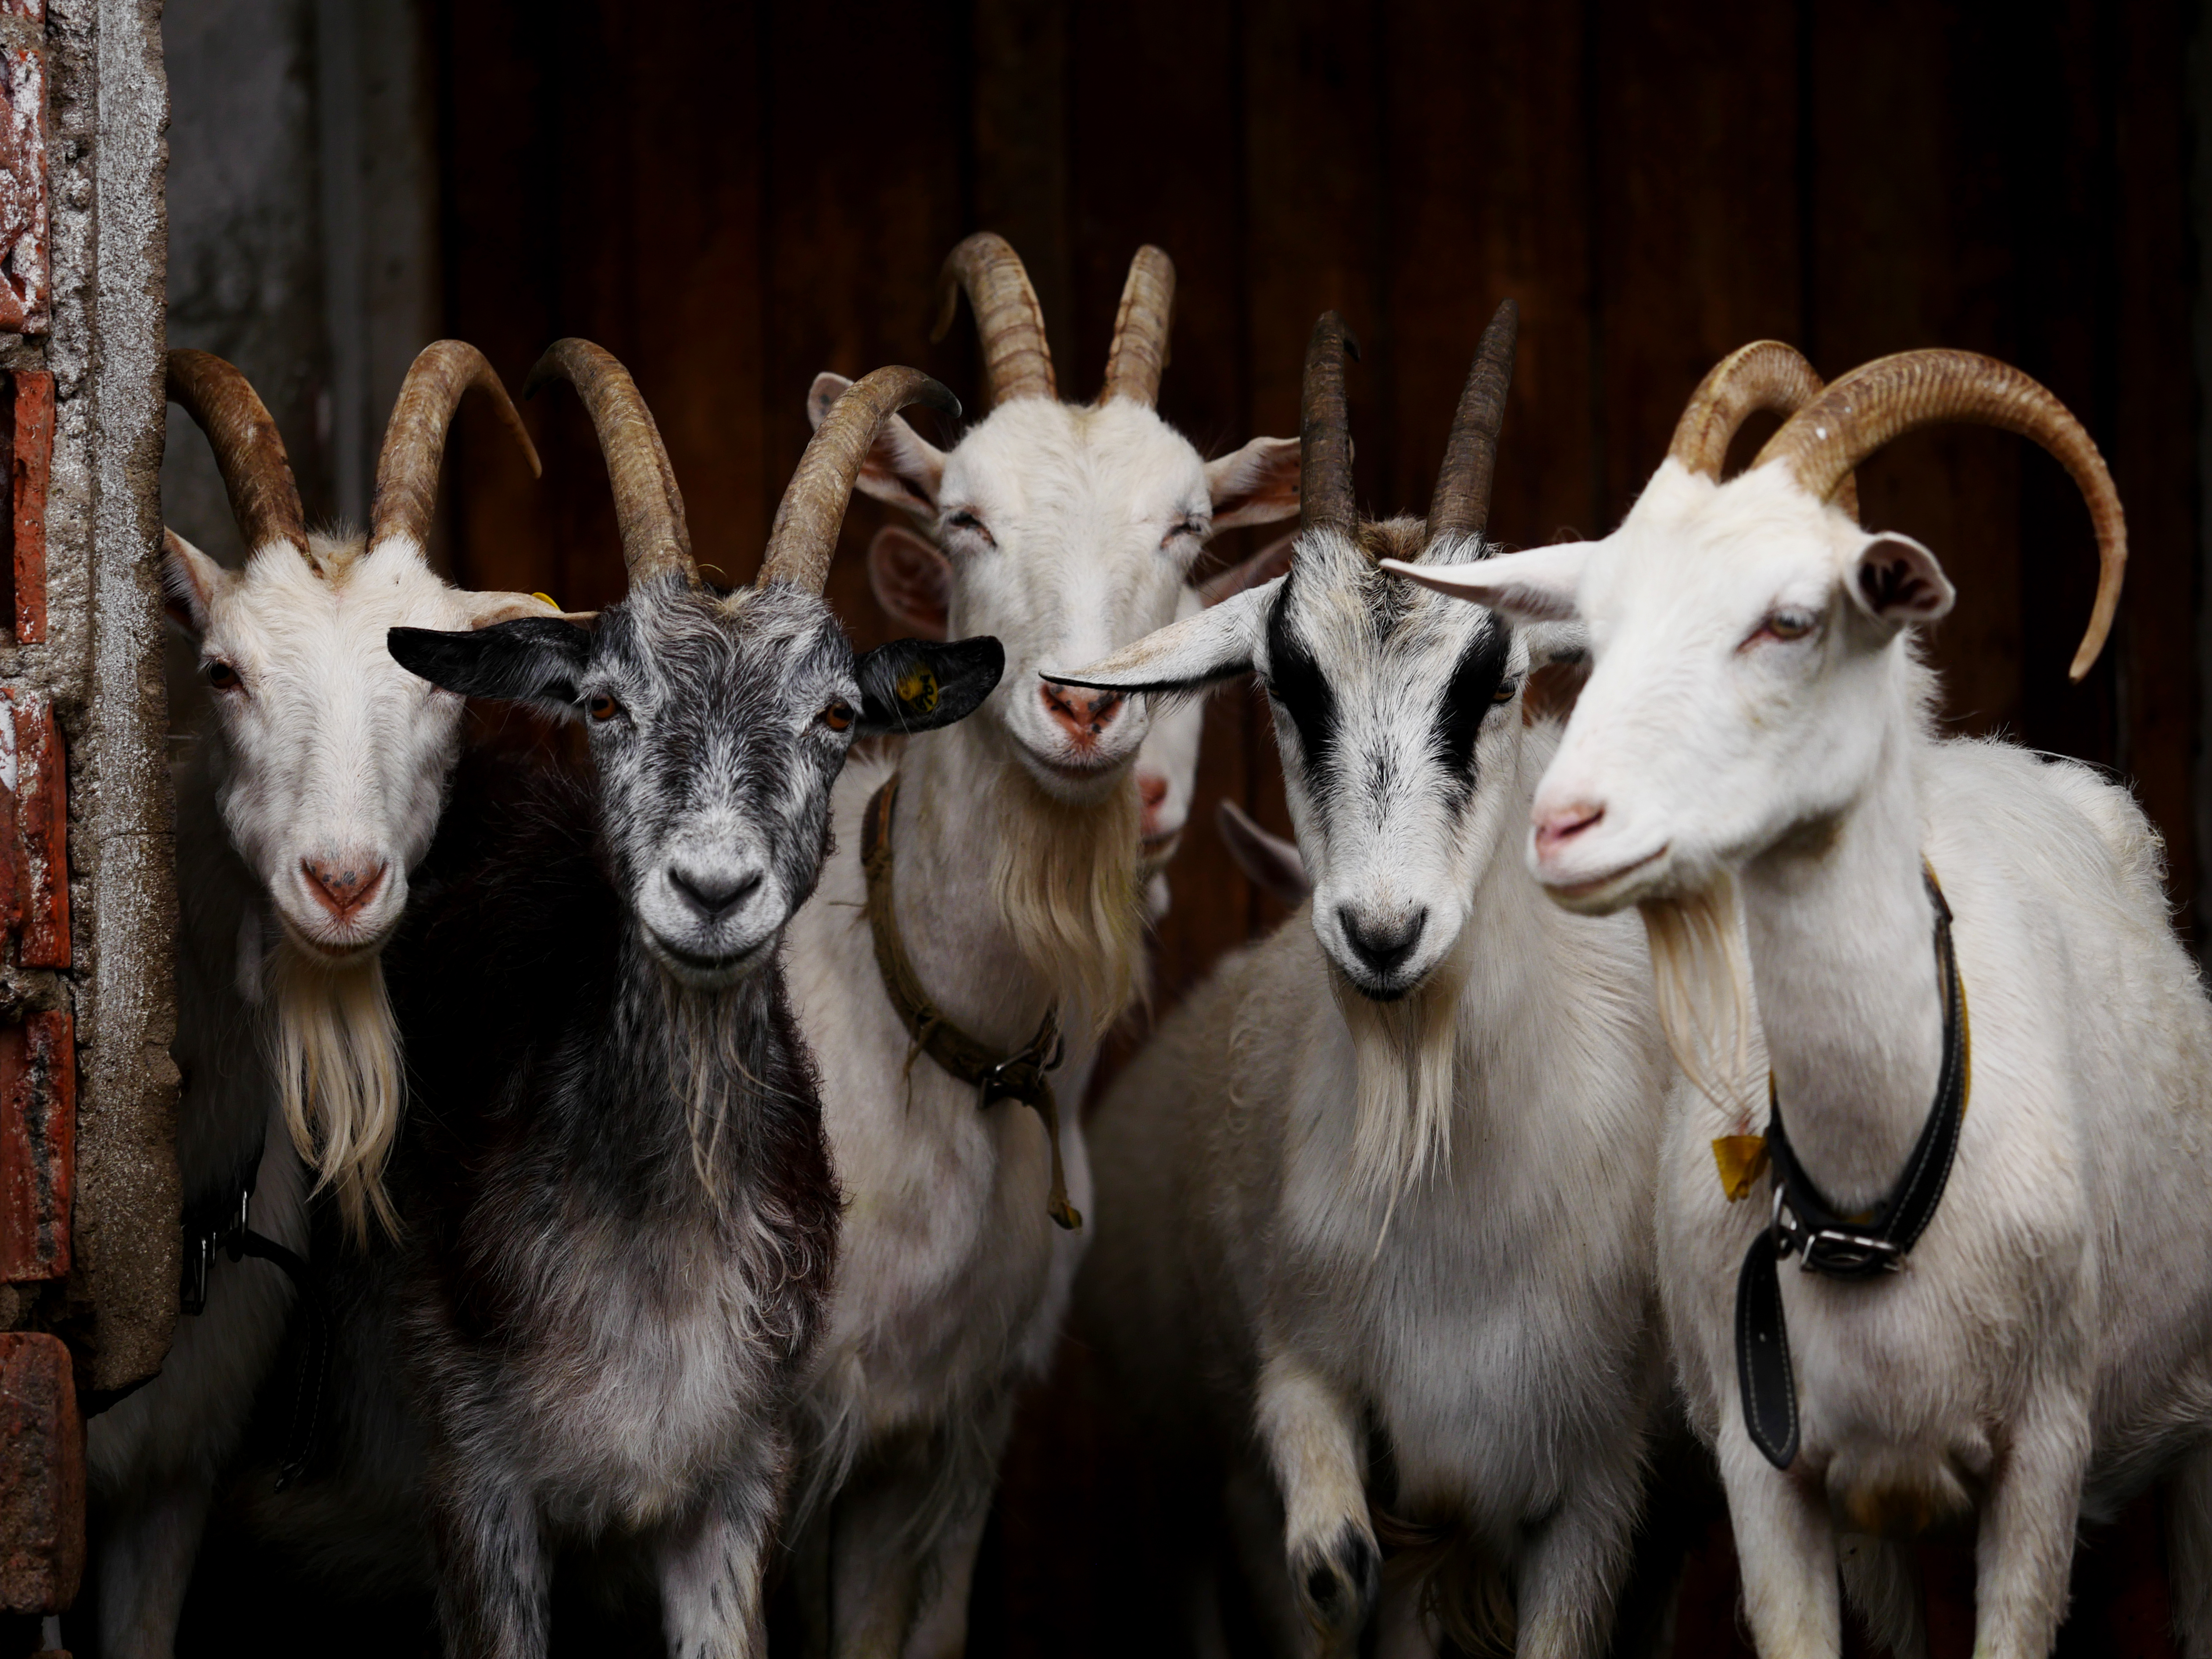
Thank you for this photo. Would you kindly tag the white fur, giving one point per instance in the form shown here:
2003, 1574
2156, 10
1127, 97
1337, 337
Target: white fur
2049, 1350
1066, 531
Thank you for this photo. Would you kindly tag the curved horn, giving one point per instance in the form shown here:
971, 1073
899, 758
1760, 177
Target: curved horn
1325, 431
415, 438
812, 511
1461, 505
1765, 375
248, 447
1017, 362
1138, 355
1825, 441
649, 508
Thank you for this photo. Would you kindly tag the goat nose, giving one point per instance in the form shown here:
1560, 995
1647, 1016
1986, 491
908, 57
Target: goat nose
342, 886
1080, 712
1383, 946
713, 896
1558, 825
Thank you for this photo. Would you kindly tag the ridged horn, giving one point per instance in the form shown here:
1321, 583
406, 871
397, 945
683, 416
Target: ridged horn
1765, 375
649, 508
1826, 439
812, 511
1016, 361
1138, 355
249, 450
406, 494
1325, 431
1460, 506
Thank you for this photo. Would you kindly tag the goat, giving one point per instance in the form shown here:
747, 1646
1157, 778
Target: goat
311, 790
1754, 764
1389, 1172
1009, 870
620, 1215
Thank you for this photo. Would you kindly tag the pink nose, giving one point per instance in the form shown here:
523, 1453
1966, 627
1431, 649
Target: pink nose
1082, 715
1556, 828
1151, 789
342, 886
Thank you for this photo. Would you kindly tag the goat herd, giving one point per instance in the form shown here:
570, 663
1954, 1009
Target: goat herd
670, 1163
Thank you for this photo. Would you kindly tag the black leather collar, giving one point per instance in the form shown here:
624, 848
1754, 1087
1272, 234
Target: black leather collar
1839, 1246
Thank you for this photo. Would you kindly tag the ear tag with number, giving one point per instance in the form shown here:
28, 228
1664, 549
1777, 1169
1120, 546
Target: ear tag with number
916, 690
1742, 1159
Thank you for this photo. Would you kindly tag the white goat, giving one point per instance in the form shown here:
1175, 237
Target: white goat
1389, 1173
1012, 853
308, 795
1753, 763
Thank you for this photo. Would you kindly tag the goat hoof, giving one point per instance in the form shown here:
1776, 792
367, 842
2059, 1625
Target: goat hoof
1338, 1586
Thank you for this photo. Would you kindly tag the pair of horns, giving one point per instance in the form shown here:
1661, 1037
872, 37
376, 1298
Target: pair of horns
1461, 505
1831, 431
649, 505
257, 475
1018, 362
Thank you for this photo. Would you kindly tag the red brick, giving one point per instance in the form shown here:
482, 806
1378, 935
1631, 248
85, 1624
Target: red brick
23, 284
42, 832
37, 1146
33, 457
41, 1475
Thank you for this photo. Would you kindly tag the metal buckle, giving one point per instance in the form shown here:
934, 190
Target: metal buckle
201, 1244
1831, 1251
993, 1084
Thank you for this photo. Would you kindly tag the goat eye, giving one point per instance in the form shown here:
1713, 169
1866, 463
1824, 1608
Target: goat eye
222, 677
837, 716
602, 707
963, 519
1505, 691
1787, 623
1187, 527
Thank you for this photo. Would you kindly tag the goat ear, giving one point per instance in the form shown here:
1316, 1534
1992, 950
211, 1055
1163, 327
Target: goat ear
1537, 585
1213, 645
912, 581
1895, 579
1550, 642
1274, 865
1269, 563
490, 610
536, 660
917, 685
1258, 484
190, 582
903, 467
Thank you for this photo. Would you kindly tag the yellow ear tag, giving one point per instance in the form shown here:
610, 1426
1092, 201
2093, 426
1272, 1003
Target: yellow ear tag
1742, 1159
549, 600
916, 690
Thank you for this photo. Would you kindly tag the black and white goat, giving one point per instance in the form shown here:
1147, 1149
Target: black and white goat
620, 1216
310, 791
1386, 1180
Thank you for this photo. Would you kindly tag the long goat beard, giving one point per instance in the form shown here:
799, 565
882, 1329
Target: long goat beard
1701, 980
1405, 1062
1066, 880
334, 1047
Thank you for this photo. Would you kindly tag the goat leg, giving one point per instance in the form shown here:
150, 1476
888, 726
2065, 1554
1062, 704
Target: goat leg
492, 1583
711, 1570
146, 1555
1572, 1567
1786, 1545
2189, 1550
1313, 1441
2024, 1552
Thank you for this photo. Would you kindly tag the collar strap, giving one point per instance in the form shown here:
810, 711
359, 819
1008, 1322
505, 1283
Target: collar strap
1834, 1244
1023, 1075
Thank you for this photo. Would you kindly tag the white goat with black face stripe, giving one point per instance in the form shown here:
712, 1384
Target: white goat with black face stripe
1015, 837
1389, 1173
621, 1219
309, 792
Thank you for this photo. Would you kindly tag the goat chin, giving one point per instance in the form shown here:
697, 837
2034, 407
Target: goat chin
1066, 878
334, 1047
1701, 980
1406, 1053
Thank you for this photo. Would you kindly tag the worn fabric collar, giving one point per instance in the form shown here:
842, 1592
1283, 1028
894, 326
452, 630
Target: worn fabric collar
1832, 1243
1023, 1075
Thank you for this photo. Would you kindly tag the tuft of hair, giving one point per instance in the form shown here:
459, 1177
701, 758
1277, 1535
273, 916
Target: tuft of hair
1066, 880
1405, 1060
334, 1047
1701, 980
332, 552
1462, 1587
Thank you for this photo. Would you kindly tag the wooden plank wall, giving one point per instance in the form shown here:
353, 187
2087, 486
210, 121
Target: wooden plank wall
732, 199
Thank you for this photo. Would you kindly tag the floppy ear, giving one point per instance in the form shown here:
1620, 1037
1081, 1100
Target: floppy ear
536, 660
488, 609
1184, 655
190, 582
1258, 484
912, 581
917, 685
901, 467
1537, 585
1897, 580
1274, 865
1270, 561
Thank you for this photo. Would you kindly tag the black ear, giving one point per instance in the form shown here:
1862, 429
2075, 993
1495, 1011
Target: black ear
917, 685
536, 659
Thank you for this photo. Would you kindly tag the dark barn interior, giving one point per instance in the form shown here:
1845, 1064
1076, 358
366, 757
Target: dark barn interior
733, 199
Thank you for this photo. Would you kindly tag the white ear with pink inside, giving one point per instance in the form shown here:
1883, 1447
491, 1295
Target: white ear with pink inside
1538, 585
1895, 579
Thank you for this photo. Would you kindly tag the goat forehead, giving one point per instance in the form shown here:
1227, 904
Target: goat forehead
727, 667
1036, 465
1691, 549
